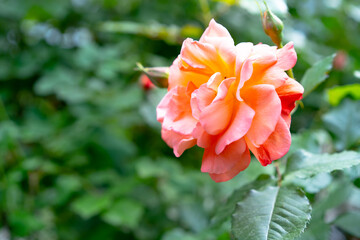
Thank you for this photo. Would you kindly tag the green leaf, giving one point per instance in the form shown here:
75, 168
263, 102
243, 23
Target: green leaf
90, 205
273, 213
312, 140
24, 223
304, 164
178, 234
335, 194
336, 94
224, 211
316, 230
314, 184
349, 222
344, 122
124, 213
316, 74
192, 216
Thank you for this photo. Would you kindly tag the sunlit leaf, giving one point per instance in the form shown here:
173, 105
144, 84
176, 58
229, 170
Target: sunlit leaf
336, 94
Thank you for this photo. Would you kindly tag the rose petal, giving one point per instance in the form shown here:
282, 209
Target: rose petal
204, 139
266, 103
222, 163
238, 126
286, 57
246, 72
178, 77
215, 117
178, 142
201, 58
275, 147
263, 57
174, 110
242, 163
214, 30
289, 92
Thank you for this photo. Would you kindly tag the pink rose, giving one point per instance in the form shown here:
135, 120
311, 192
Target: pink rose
228, 99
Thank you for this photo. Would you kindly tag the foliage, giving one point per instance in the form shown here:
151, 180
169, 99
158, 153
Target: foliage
81, 156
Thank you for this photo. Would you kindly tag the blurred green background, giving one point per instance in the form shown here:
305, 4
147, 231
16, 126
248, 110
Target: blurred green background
81, 156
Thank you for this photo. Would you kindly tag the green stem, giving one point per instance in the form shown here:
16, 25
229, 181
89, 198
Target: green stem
278, 173
290, 73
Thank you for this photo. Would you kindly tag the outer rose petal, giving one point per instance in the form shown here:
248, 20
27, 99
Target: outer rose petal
289, 92
177, 122
275, 147
238, 127
266, 103
224, 162
214, 30
238, 167
176, 106
177, 141
273, 76
264, 56
199, 57
286, 57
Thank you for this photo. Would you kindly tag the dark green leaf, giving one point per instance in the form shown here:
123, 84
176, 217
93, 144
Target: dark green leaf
24, 223
224, 211
273, 213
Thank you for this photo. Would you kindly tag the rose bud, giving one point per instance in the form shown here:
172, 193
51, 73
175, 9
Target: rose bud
340, 60
272, 26
145, 82
157, 75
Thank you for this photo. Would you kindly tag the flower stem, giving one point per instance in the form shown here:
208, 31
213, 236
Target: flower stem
290, 73
278, 173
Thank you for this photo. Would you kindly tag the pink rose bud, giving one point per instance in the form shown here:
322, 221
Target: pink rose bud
157, 75
340, 60
145, 82
272, 26
229, 99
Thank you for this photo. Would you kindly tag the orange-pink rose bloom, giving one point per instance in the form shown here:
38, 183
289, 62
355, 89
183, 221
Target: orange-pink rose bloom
228, 99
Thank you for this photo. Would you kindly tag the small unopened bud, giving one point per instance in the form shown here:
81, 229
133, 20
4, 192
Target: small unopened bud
145, 82
157, 75
340, 60
273, 26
